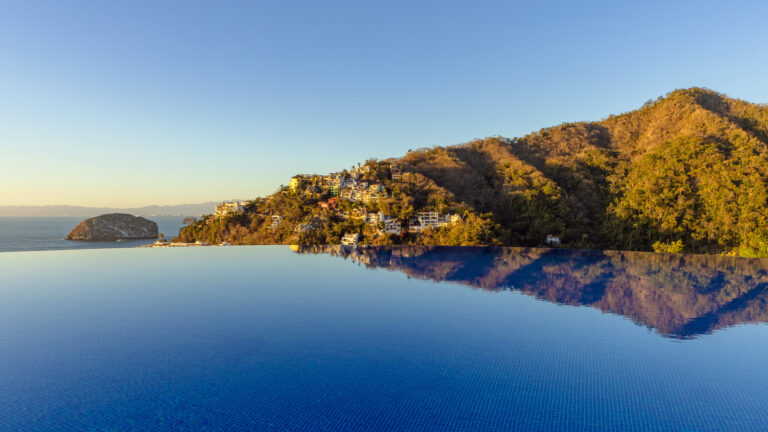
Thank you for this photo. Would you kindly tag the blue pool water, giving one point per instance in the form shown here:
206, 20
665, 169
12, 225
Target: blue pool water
465, 339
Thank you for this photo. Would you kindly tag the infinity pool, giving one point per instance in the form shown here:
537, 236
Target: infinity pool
313, 338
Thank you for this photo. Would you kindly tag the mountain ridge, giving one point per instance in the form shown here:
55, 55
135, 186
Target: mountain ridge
685, 172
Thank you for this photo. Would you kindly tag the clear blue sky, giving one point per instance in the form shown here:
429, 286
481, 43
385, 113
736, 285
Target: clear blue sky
159, 102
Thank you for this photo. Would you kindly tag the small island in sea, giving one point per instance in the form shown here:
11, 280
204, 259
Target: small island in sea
114, 226
687, 172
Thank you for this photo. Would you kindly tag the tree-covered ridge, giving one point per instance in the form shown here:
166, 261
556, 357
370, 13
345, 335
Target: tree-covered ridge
677, 295
685, 172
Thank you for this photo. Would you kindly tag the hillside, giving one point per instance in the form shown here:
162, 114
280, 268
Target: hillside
686, 172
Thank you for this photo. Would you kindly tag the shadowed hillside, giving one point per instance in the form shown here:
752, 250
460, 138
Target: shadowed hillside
686, 172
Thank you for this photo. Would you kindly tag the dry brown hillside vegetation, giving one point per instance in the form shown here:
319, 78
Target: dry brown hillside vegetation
685, 172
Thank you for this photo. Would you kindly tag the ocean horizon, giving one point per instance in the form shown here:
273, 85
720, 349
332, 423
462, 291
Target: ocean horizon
19, 234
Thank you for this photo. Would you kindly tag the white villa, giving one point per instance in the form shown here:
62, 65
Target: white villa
350, 239
392, 226
230, 207
362, 192
431, 219
375, 218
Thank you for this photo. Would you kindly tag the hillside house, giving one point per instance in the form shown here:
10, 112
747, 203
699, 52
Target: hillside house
395, 171
374, 193
230, 207
350, 239
375, 218
392, 226
428, 218
431, 219
347, 194
377, 189
415, 227
298, 181
553, 240
277, 220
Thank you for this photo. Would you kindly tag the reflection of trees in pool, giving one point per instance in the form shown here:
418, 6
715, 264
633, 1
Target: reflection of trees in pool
678, 295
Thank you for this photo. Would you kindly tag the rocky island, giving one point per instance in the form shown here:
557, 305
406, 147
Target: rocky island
114, 226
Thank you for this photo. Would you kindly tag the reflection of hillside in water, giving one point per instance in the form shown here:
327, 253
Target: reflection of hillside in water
677, 295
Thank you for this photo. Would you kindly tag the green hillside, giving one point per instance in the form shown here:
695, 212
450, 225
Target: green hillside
686, 172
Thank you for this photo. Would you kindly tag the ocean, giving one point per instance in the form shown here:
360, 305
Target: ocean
47, 233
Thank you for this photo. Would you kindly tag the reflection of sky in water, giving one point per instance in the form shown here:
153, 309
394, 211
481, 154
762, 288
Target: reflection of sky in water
247, 337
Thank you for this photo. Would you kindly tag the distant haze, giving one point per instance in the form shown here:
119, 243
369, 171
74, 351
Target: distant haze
65, 210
